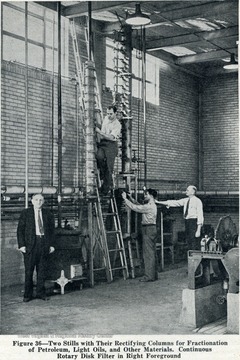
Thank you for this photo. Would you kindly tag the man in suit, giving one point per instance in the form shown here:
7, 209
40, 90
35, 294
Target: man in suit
35, 235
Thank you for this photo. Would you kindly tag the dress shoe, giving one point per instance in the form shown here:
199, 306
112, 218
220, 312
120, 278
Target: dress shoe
27, 299
42, 297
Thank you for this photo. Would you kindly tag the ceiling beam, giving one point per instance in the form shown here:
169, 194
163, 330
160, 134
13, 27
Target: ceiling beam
155, 44
211, 9
81, 8
212, 55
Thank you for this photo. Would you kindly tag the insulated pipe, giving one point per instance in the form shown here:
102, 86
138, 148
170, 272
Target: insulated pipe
26, 104
90, 31
144, 101
59, 117
18, 189
48, 190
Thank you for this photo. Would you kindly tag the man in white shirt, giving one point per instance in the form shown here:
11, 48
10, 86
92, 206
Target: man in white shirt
149, 231
108, 147
193, 215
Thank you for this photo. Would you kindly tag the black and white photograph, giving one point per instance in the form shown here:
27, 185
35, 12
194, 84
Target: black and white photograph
120, 180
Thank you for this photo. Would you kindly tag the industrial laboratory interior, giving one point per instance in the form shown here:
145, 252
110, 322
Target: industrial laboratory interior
115, 116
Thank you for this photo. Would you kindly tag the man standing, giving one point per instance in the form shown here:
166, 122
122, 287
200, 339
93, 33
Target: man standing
193, 215
149, 231
35, 235
108, 147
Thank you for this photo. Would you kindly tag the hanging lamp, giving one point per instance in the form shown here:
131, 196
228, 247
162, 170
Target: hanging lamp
233, 64
138, 18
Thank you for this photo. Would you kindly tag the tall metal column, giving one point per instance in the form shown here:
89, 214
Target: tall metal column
127, 122
89, 84
90, 125
26, 105
144, 101
59, 117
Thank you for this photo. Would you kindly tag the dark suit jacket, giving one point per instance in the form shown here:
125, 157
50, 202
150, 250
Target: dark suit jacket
26, 233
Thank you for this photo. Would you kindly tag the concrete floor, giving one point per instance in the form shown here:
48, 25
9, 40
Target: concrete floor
122, 307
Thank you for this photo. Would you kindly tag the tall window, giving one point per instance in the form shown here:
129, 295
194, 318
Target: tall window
42, 36
152, 73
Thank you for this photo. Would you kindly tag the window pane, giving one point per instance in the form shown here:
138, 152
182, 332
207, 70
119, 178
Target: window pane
35, 55
109, 57
13, 49
110, 79
136, 65
35, 29
49, 60
20, 4
150, 93
49, 34
35, 8
136, 88
13, 21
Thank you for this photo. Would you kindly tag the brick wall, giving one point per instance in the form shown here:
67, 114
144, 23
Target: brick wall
221, 133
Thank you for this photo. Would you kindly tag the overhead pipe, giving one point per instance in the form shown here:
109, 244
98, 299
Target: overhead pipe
26, 104
59, 116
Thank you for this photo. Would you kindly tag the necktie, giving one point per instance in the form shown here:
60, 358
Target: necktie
40, 224
186, 210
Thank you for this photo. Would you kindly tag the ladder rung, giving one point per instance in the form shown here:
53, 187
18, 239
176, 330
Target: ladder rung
113, 232
105, 213
103, 268
118, 249
119, 268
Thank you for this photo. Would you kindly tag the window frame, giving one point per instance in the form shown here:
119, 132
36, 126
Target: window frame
46, 20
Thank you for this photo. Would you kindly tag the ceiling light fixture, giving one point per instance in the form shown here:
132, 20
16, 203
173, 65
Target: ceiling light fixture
138, 18
233, 64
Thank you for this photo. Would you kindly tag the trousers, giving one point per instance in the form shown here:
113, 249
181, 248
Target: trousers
36, 258
106, 154
149, 233
193, 243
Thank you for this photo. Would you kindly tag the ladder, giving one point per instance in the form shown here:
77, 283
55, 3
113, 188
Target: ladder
110, 227
107, 242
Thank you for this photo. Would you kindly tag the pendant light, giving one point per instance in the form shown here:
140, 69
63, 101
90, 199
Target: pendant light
233, 64
138, 18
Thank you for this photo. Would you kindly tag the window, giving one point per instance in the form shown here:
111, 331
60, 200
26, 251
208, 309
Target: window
42, 36
152, 73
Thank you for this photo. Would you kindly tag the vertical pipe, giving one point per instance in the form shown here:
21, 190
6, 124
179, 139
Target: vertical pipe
200, 139
144, 101
26, 105
77, 143
44, 39
2, 31
59, 118
89, 30
53, 61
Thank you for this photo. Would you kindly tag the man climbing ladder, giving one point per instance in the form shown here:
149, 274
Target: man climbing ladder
108, 148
